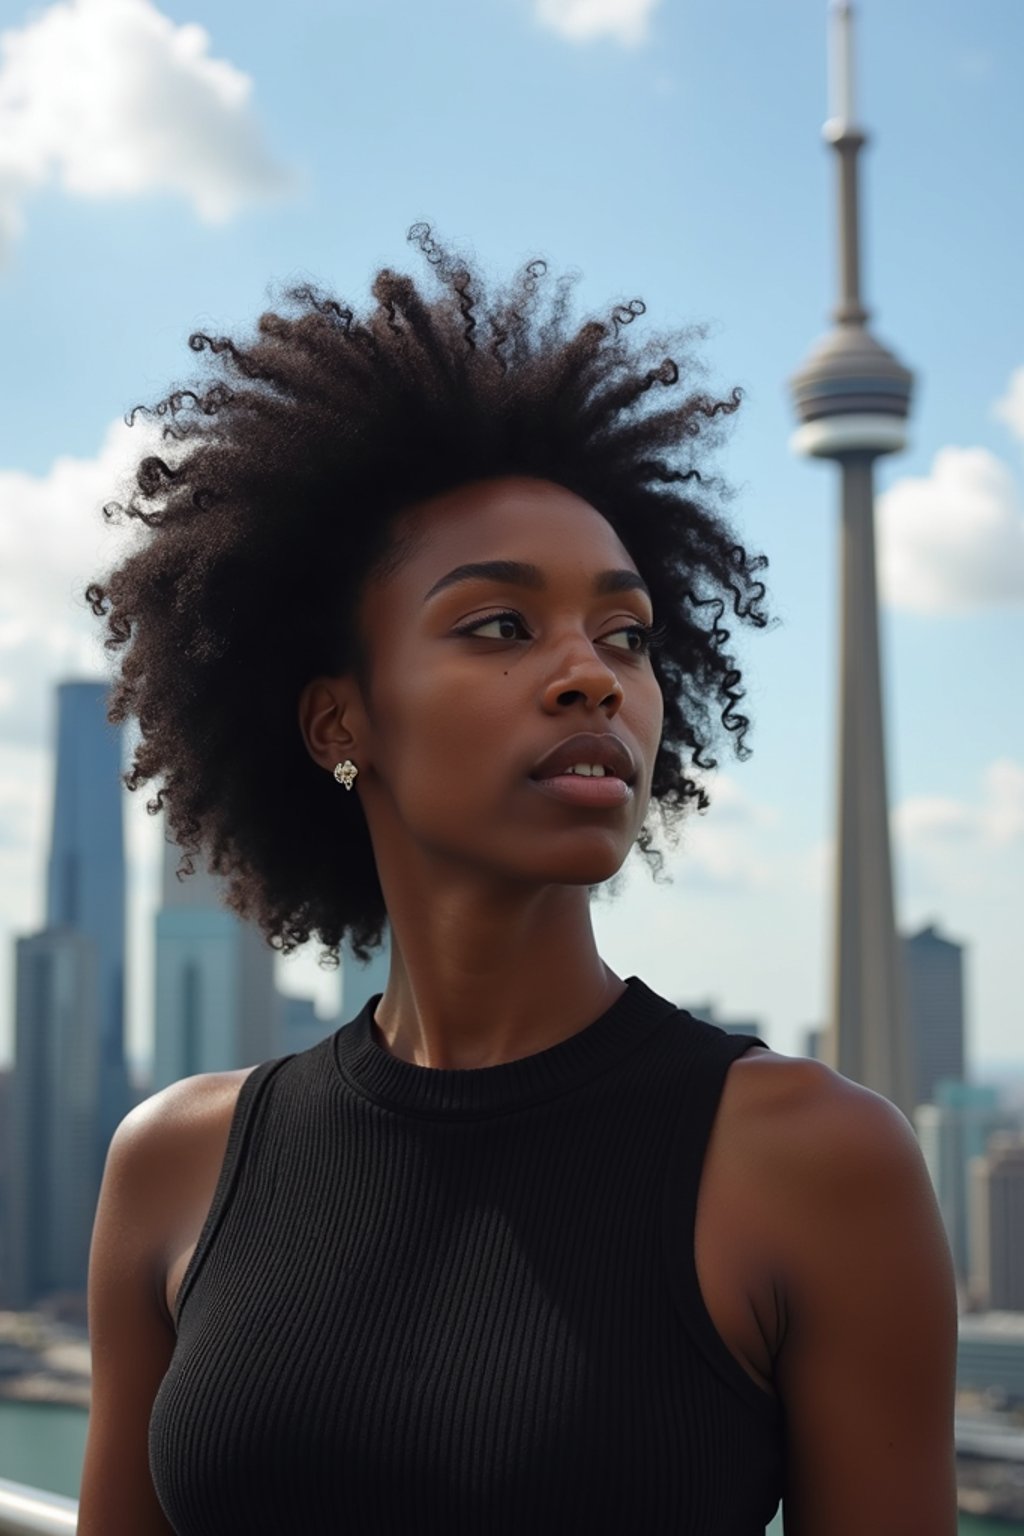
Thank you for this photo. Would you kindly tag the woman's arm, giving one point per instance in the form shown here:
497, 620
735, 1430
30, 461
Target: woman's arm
129, 1335
867, 1368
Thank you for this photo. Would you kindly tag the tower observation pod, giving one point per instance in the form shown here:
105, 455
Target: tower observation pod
852, 399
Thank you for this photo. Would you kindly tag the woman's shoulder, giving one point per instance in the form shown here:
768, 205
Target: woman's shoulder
836, 1186
804, 1151
799, 1148
177, 1112
794, 1098
177, 1138
811, 1132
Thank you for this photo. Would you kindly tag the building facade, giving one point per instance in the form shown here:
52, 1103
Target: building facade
69, 1086
54, 1179
85, 875
996, 1280
216, 1007
934, 975
952, 1132
990, 1354
216, 1003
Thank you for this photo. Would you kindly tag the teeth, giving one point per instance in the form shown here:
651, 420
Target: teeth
588, 770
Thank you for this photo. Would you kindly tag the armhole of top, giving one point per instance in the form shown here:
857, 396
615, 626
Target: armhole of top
682, 1188
242, 1119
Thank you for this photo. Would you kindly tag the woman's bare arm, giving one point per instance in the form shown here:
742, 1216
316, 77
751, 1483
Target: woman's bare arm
867, 1369
129, 1334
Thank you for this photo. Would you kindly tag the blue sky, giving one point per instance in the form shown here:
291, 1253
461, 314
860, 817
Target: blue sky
165, 167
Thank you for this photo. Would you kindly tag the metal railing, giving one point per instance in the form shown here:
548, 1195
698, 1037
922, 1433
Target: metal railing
26, 1511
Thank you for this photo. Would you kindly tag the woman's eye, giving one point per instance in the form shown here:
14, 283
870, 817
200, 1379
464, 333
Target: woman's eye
509, 620
631, 631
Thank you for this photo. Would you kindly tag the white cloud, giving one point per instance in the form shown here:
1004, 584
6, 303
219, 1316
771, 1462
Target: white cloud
25, 787
583, 20
54, 540
723, 849
952, 541
111, 99
941, 838
936, 825
961, 860
26, 784
1010, 407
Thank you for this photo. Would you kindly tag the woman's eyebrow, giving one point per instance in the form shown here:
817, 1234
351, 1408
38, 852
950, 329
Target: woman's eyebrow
521, 574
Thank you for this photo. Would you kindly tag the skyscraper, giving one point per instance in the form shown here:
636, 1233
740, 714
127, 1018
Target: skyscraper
933, 969
997, 1225
216, 1003
85, 878
955, 1129
69, 1086
54, 1183
852, 398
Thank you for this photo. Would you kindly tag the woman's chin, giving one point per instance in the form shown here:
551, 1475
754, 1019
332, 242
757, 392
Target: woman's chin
592, 866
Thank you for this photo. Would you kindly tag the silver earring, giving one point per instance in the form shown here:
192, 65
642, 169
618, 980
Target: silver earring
345, 772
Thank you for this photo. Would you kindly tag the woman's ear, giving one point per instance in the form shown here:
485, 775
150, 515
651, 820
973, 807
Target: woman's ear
326, 709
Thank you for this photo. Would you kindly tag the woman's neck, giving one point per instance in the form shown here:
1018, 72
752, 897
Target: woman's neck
477, 982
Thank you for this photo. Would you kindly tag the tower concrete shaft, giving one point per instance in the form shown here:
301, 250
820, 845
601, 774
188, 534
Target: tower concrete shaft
852, 398
868, 1040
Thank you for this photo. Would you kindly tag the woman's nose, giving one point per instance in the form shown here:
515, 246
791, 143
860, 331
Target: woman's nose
583, 674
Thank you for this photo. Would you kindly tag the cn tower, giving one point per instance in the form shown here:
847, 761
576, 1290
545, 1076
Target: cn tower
852, 399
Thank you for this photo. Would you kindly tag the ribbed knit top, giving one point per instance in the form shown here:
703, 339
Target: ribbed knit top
433, 1301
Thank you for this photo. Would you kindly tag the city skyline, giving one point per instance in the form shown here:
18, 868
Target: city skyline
675, 197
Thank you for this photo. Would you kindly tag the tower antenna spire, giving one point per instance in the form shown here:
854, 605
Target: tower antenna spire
848, 140
841, 93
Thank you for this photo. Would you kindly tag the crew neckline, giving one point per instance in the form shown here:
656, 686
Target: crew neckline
473, 1092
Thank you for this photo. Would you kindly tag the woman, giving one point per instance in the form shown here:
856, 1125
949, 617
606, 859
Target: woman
417, 634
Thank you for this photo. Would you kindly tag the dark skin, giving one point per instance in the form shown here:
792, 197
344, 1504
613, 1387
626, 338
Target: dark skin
818, 1244
485, 879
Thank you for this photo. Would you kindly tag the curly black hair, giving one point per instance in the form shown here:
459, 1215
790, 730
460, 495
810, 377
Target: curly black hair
274, 500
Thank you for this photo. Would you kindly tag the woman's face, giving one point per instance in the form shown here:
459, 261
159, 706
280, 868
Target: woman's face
462, 705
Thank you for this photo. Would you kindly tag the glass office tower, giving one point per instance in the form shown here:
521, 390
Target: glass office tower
70, 1085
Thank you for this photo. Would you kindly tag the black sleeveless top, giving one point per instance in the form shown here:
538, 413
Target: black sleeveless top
465, 1302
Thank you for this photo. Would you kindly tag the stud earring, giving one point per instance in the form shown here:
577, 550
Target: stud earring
345, 772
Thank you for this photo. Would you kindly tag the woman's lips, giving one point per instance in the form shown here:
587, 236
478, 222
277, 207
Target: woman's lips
576, 789
603, 748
